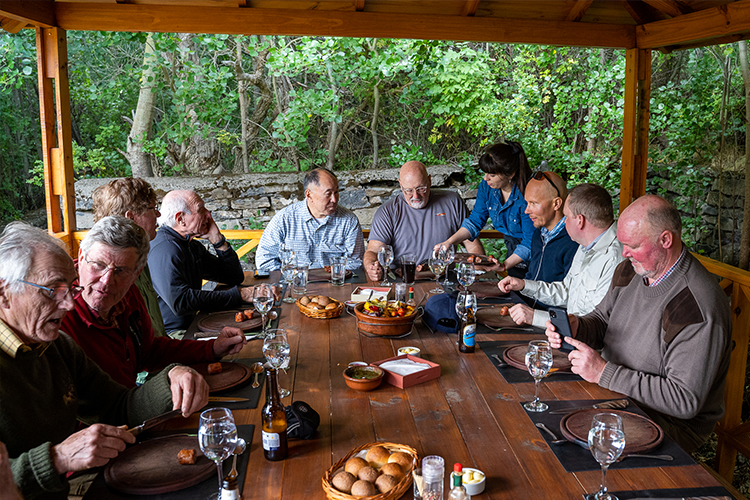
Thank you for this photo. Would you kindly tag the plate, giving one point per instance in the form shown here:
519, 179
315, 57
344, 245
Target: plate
320, 275
424, 275
231, 375
151, 467
464, 257
484, 289
641, 433
491, 316
515, 356
216, 321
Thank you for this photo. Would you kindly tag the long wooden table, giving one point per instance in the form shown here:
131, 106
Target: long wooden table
468, 415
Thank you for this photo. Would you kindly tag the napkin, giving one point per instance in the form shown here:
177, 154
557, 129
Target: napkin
404, 367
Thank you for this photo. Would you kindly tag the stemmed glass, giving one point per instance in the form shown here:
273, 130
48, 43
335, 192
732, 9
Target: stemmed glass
385, 257
276, 350
538, 362
465, 274
217, 437
263, 302
447, 254
606, 442
288, 264
437, 266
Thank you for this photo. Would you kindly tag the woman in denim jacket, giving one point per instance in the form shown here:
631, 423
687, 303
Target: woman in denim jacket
500, 198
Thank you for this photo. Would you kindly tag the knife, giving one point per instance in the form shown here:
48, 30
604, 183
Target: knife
225, 399
147, 424
616, 404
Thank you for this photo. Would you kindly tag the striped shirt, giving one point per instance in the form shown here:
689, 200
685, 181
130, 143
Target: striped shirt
314, 241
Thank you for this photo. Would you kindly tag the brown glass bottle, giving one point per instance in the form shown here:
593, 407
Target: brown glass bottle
467, 333
274, 421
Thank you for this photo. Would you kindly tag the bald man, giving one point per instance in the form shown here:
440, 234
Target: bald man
552, 249
664, 327
416, 221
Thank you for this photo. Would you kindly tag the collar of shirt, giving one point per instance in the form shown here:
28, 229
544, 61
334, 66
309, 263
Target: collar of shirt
547, 235
670, 270
596, 240
10, 344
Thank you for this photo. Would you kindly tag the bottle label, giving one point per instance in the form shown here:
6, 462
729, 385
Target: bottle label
271, 441
469, 332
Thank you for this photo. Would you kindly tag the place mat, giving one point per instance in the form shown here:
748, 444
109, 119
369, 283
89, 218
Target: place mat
231, 375
320, 275
193, 328
423, 275
516, 356
574, 458
704, 493
513, 375
100, 491
642, 433
250, 280
244, 390
490, 316
485, 289
214, 322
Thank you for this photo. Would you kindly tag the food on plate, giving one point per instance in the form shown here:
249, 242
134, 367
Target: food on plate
392, 469
343, 481
327, 269
377, 456
390, 309
504, 311
364, 373
214, 368
239, 317
186, 457
248, 313
403, 459
368, 473
386, 483
354, 464
363, 489
470, 259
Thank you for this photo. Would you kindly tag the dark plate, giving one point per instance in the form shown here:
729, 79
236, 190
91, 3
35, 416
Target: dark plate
464, 257
641, 433
232, 375
491, 316
216, 321
321, 276
484, 289
515, 356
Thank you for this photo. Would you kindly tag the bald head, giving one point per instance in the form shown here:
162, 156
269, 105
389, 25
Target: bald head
653, 214
547, 184
415, 184
175, 202
544, 205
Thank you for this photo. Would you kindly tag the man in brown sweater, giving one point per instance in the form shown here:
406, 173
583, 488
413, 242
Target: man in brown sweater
664, 328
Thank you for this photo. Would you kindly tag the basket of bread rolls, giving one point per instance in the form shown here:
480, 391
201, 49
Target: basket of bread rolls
380, 471
320, 306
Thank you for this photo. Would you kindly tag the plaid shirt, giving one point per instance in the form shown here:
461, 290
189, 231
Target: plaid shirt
314, 241
10, 344
548, 235
670, 270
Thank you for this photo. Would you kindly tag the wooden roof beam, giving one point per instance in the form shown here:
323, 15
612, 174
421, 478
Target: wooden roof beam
672, 8
578, 10
40, 13
359, 5
470, 7
236, 21
12, 25
708, 25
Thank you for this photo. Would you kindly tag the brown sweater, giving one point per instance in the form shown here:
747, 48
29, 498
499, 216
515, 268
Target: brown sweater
666, 346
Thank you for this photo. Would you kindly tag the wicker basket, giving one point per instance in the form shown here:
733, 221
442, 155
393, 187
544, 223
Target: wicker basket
385, 326
334, 494
322, 313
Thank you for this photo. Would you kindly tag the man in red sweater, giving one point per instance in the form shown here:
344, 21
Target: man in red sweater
110, 320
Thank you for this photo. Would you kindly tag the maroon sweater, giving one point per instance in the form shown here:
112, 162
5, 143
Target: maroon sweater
126, 345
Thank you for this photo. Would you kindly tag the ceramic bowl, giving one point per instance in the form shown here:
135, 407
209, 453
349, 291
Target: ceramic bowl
475, 488
363, 384
414, 351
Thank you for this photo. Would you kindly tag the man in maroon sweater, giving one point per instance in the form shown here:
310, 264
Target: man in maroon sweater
111, 322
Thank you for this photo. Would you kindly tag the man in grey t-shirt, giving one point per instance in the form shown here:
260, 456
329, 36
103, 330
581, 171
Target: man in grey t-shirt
416, 222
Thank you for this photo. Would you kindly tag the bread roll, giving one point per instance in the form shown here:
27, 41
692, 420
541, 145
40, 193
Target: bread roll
386, 483
403, 459
378, 456
343, 481
363, 489
354, 464
393, 469
368, 474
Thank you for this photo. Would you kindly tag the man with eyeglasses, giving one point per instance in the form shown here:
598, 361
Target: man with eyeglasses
48, 384
413, 222
110, 320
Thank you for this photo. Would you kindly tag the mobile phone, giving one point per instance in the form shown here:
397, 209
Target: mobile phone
559, 318
261, 274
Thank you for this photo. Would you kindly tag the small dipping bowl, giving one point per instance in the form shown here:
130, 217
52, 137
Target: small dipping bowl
414, 351
363, 378
473, 488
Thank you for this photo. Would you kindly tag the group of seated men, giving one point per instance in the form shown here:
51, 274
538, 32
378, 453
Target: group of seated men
655, 326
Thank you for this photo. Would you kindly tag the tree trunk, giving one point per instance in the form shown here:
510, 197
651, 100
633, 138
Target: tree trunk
281, 90
242, 94
332, 130
374, 124
140, 161
745, 240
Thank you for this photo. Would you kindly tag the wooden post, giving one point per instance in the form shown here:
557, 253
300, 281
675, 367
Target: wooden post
635, 126
57, 142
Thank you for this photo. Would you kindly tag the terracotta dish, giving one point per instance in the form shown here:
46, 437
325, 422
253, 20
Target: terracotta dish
641, 433
515, 356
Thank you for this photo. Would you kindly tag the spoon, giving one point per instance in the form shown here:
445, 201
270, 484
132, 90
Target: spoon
239, 449
256, 368
555, 439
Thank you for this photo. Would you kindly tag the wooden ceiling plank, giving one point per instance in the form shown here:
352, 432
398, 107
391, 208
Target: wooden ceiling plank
707, 24
637, 11
470, 7
669, 7
712, 41
359, 5
40, 13
578, 10
186, 19
12, 25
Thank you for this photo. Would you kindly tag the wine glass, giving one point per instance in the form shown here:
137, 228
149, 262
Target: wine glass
447, 254
276, 350
263, 302
538, 362
606, 442
385, 257
465, 274
217, 437
288, 264
437, 266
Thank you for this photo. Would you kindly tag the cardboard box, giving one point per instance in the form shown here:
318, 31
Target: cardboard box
362, 293
403, 382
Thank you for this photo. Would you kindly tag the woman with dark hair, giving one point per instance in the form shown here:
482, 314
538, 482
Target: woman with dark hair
500, 198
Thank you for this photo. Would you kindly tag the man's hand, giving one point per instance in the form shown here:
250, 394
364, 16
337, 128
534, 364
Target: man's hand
521, 314
554, 338
246, 293
586, 361
8, 490
230, 341
374, 271
189, 390
92, 447
510, 283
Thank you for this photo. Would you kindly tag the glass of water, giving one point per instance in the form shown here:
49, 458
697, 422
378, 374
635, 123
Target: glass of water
606, 442
299, 280
338, 270
217, 438
538, 362
263, 302
288, 266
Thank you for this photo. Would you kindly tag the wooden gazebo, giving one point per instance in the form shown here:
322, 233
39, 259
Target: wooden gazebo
638, 26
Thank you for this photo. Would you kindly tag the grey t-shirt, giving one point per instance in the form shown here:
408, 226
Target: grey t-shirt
411, 230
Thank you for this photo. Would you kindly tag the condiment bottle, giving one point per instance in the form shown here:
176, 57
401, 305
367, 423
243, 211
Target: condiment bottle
433, 469
273, 417
466, 338
458, 492
410, 300
229, 489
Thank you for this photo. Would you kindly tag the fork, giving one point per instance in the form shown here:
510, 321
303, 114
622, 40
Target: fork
555, 439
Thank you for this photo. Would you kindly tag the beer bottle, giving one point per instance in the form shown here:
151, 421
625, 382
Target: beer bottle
466, 338
273, 418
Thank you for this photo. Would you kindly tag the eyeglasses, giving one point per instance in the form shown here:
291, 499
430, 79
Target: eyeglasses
539, 175
155, 208
59, 292
419, 190
100, 269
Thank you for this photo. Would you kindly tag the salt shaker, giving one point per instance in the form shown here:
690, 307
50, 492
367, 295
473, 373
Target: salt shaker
433, 470
401, 292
